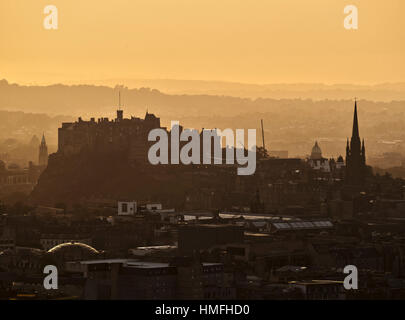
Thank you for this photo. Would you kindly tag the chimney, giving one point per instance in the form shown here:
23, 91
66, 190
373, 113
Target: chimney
120, 115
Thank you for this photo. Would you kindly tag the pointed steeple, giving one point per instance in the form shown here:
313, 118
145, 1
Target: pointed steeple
355, 132
355, 155
43, 142
43, 152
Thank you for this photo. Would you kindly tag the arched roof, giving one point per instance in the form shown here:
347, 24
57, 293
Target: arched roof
68, 245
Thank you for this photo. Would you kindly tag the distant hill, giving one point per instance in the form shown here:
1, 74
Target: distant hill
22, 126
315, 91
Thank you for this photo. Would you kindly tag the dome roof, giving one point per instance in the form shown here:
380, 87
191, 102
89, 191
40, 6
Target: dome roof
69, 246
316, 148
316, 152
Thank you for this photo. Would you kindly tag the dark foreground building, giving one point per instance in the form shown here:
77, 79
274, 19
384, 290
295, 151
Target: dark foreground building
355, 155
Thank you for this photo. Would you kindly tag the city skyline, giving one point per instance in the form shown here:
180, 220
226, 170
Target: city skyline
196, 157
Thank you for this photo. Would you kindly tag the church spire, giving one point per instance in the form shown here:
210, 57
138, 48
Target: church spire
355, 132
355, 155
43, 152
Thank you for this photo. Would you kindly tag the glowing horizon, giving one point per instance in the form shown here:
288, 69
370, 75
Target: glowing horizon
279, 41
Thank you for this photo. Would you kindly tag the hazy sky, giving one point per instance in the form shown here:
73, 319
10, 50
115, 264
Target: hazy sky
260, 41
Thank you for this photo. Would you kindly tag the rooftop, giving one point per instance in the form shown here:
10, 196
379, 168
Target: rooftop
147, 265
66, 245
316, 282
299, 225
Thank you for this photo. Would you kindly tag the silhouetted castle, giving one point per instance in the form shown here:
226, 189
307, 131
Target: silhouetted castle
355, 155
104, 135
118, 135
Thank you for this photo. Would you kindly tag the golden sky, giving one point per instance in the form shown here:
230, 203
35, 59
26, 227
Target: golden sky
258, 41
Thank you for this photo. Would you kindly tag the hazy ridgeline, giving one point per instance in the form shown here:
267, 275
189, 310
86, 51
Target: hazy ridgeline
290, 124
315, 91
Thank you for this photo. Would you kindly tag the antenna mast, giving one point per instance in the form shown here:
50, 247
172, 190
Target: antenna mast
264, 146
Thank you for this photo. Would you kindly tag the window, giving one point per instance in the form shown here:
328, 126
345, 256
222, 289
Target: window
124, 207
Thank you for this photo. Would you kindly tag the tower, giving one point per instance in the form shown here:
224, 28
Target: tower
355, 155
43, 153
120, 113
